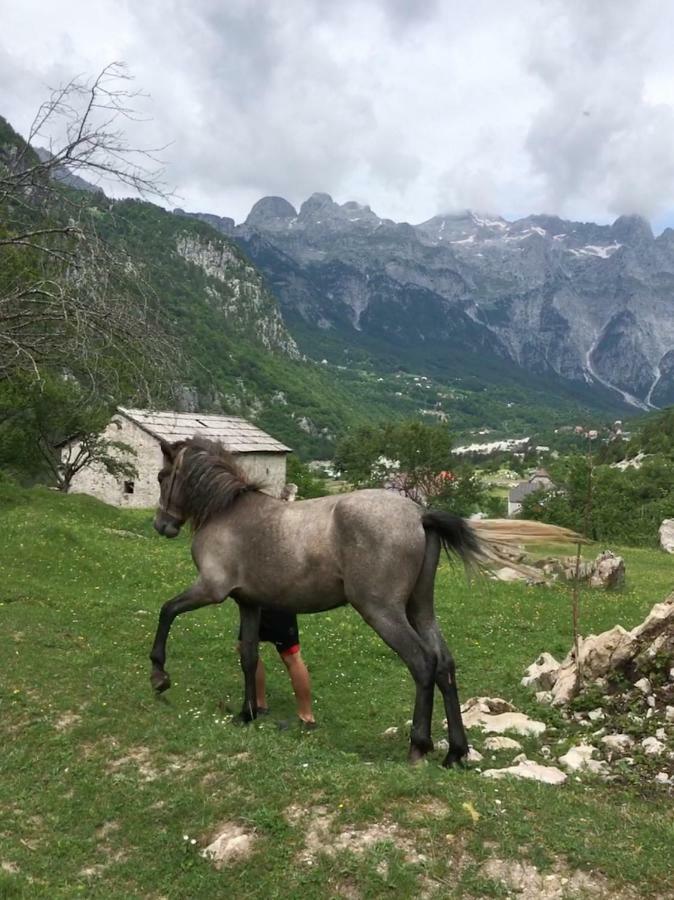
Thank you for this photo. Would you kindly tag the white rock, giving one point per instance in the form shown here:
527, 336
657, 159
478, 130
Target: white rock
620, 743
544, 697
643, 685
666, 532
501, 743
409, 723
596, 715
542, 673
233, 843
662, 778
671, 674
521, 757
546, 751
669, 713
390, 732
474, 755
578, 758
608, 570
442, 744
651, 701
529, 770
652, 746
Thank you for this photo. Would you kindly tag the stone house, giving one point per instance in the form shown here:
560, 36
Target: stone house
539, 481
262, 457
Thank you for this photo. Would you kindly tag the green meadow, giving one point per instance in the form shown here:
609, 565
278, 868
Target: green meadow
106, 791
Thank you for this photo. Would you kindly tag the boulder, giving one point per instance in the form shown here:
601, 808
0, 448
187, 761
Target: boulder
542, 673
608, 571
666, 532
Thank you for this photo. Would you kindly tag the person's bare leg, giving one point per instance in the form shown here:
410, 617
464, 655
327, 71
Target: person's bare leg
299, 678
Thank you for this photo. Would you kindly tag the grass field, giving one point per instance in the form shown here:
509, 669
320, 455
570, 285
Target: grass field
107, 792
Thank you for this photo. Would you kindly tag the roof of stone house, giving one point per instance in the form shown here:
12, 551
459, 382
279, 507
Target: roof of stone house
236, 434
520, 491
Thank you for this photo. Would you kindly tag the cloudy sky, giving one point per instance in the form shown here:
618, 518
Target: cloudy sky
413, 107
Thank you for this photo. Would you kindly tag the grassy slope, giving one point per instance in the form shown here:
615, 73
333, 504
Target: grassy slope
81, 584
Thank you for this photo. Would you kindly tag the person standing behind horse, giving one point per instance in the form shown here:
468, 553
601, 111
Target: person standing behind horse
281, 629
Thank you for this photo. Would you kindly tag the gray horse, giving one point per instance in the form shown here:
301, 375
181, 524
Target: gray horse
373, 549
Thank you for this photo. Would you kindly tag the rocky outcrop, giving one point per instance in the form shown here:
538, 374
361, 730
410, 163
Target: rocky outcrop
616, 652
236, 288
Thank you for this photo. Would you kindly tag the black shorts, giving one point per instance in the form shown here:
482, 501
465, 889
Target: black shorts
280, 629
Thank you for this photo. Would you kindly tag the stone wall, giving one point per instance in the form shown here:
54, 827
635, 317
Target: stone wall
269, 469
95, 480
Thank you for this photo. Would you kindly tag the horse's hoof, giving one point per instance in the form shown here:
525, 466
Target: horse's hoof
160, 681
416, 757
454, 759
243, 718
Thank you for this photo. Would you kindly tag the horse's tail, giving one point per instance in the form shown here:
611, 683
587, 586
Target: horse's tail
484, 543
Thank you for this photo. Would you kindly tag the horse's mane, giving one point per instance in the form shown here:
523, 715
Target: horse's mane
212, 479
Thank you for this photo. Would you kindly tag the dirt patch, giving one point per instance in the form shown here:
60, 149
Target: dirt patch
429, 809
66, 721
229, 844
9, 867
144, 761
528, 883
106, 829
139, 758
321, 836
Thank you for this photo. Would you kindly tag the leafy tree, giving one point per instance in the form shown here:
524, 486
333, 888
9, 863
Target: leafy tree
308, 485
53, 428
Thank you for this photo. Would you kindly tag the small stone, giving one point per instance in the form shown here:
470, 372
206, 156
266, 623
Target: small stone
662, 778
596, 715
474, 755
409, 723
233, 843
618, 742
546, 751
671, 674
643, 685
501, 743
669, 713
661, 734
520, 758
542, 673
390, 732
652, 746
442, 744
544, 697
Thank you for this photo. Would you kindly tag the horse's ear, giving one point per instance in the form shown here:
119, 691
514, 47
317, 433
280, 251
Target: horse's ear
167, 449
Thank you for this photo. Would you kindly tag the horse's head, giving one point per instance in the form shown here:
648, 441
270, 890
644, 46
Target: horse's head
170, 516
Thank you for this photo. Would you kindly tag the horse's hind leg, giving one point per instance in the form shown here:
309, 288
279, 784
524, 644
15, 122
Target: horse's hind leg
193, 598
421, 614
390, 623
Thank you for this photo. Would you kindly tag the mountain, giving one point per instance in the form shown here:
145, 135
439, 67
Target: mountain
588, 308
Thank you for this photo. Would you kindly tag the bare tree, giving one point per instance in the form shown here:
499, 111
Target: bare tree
68, 298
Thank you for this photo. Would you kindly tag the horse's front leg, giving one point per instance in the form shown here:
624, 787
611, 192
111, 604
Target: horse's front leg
250, 637
194, 597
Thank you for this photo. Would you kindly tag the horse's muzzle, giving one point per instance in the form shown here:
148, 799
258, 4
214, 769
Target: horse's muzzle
167, 525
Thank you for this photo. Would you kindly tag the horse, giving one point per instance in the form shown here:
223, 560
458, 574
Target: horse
372, 549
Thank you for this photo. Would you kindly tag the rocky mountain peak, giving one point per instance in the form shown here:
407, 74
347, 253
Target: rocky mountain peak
271, 214
631, 230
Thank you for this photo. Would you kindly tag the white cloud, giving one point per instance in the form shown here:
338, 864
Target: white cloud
414, 108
